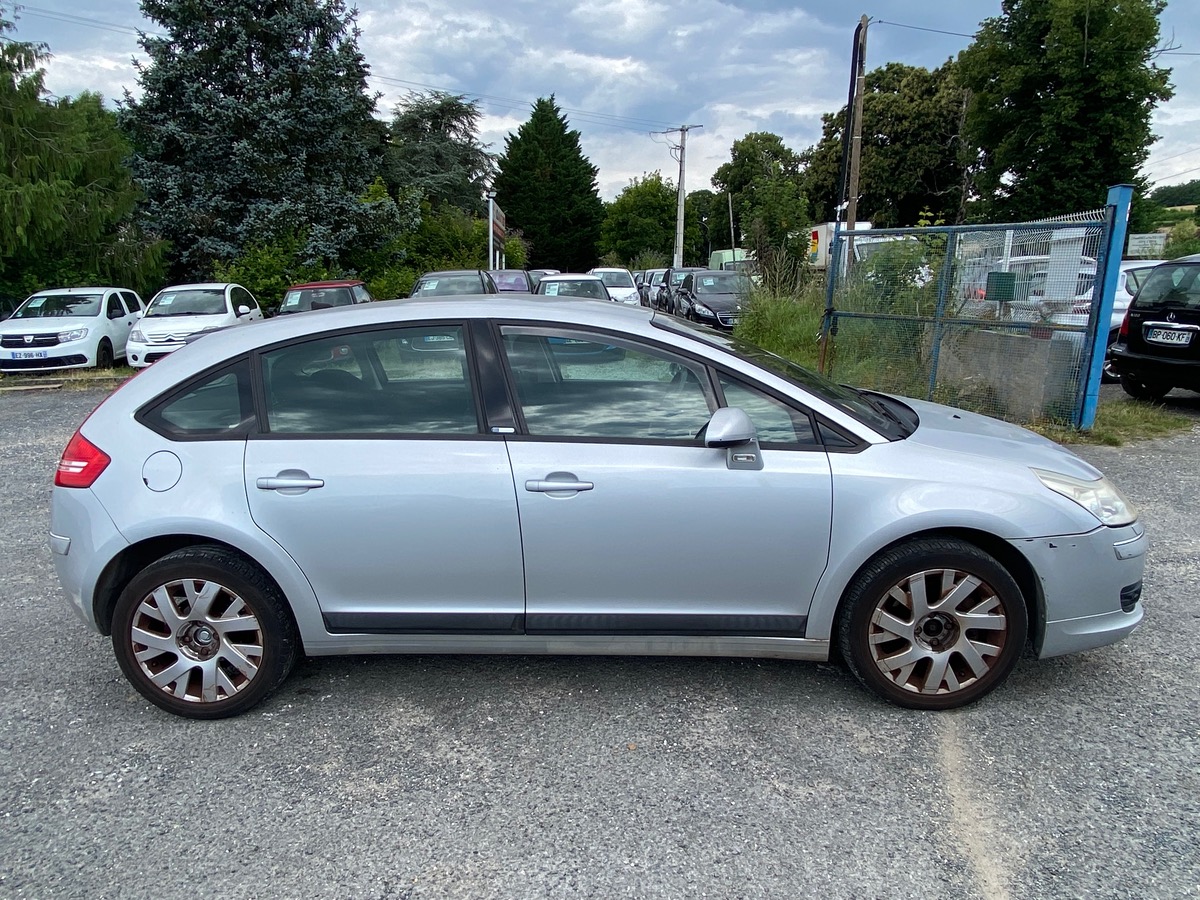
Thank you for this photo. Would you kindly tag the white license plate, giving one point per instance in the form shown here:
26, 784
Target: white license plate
1169, 336
30, 354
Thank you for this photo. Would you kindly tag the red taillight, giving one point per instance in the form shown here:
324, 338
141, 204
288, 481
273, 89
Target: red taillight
1124, 331
81, 463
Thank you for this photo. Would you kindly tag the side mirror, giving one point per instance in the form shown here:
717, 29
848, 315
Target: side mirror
243, 311
731, 429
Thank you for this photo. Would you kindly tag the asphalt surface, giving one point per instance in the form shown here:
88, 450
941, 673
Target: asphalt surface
525, 777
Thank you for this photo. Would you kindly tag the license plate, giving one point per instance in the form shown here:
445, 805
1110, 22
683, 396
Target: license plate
1169, 336
30, 354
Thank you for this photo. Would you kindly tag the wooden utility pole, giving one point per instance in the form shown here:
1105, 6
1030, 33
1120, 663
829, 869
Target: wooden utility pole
860, 85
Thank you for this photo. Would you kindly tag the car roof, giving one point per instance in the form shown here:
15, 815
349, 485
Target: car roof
199, 285
442, 272
345, 282
573, 276
77, 290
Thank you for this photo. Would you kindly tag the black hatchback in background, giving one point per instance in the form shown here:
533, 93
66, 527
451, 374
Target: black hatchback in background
1158, 347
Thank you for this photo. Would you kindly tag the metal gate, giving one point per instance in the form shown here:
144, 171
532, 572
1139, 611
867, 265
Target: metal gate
1008, 320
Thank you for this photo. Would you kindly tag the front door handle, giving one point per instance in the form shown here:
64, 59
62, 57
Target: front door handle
547, 486
289, 481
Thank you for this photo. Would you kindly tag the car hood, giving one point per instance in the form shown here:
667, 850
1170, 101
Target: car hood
722, 303
48, 325
623, 294
180, 326
966, 432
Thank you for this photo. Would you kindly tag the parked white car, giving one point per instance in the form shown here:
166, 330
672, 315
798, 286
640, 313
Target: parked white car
620, 284
69, 328
182, 310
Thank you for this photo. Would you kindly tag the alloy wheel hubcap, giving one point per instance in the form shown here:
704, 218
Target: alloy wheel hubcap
937, 631
197, 640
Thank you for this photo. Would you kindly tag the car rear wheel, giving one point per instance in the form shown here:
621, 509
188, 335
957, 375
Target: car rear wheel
104, 355
932, 624
1143, 388
1109, 375
203, 633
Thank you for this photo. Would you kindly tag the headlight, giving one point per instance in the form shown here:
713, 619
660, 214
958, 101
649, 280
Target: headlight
1101, 497
136, 335
704, 311
77, 335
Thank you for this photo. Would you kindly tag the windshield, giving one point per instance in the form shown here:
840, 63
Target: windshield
621, 279
853, 402
196, 302
315, 298
59, 306
593, 290
732, 283
1171, 286
443, 285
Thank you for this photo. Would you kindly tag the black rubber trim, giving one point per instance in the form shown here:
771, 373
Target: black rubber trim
424, 623
665, 624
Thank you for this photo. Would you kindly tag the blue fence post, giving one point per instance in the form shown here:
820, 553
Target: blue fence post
1108, 268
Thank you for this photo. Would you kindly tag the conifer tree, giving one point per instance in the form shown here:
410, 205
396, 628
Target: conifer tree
547, 189
254, 125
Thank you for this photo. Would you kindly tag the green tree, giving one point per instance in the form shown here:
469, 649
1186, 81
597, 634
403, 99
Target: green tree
1187, 194
706, 226
433, 148
912, 157
1062, 92
641, 219
764, 178
66, 198
547, 189
255, 124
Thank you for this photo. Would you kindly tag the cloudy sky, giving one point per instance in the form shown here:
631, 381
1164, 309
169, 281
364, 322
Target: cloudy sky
625, 71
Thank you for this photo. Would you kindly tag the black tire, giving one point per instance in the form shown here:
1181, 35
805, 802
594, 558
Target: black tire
104, 355
1143, 389
221, 671
930, 656
1108, 375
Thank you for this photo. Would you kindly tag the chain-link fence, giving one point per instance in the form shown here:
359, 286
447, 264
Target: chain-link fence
1000, 319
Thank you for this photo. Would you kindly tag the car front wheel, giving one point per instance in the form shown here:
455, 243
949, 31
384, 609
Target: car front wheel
932, 624
203, 633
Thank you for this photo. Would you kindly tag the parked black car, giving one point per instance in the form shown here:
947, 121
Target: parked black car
712, 297
1158, 347
8, 305
672, 279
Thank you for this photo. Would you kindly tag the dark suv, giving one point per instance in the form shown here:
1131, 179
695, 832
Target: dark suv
1158, 347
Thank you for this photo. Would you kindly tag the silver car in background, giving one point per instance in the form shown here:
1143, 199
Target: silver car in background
314, 485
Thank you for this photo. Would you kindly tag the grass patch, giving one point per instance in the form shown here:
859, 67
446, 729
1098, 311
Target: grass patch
1119, 422
71, 379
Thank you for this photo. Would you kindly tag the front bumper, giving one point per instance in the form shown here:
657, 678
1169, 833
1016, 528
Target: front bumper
141, 354
1090, 587
69, 355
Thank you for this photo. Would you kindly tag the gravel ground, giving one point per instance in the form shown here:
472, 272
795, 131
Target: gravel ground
583, 777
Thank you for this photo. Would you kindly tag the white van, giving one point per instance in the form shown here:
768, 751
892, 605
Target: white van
718, 258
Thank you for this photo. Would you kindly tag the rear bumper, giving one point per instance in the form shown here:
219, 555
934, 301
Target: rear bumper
83, 538
1178, 372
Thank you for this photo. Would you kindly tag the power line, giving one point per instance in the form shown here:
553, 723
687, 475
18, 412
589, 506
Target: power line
973, 35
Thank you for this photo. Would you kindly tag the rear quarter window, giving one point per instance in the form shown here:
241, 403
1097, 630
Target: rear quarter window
213, 406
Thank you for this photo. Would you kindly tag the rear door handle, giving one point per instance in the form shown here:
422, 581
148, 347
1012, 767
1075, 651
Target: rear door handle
549, 487
289, 481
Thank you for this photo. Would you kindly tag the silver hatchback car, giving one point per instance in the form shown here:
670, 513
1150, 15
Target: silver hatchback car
499, 475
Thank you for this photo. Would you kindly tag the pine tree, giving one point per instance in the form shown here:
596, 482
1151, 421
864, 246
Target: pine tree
255, 125
433, 148
548, 190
